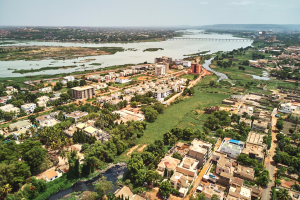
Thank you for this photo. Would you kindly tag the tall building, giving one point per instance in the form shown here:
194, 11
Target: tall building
200, 150
160, 70
195, 68
82, 92
263, 34
164, 60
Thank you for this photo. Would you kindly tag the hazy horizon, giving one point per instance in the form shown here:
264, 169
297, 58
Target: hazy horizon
137, 13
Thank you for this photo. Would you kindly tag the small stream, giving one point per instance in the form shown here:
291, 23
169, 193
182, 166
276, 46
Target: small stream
221, 75
112, 174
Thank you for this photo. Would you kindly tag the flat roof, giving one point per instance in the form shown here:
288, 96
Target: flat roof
90, 129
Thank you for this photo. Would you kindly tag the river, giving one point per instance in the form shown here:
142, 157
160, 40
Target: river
112, 174
172, 48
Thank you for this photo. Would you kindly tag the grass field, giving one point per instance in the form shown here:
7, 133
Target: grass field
189, 76
182, 114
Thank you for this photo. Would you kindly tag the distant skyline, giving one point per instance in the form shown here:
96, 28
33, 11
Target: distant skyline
144, 13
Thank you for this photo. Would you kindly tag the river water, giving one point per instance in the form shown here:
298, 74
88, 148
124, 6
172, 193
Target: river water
112, 174
172, 48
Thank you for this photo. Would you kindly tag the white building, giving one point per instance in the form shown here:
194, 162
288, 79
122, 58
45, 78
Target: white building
46, 89
50, 175
187, 63
42, 101
69, 78
178, 61
287, 108
161, 94
160, 70
10, 108
122, 80
28, 108
231, 147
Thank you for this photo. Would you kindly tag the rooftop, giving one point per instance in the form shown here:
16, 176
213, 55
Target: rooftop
82, 88
50, 174
255, 138
20, 124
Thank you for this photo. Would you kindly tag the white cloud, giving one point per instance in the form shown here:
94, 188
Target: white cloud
242, 3
203, 2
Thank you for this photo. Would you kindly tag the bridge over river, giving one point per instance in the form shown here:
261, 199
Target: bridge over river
211, 39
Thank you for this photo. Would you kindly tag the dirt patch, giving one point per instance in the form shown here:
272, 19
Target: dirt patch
248, 71
132, 150
212, 66
199, 111
142, 78
142, 148
9, 80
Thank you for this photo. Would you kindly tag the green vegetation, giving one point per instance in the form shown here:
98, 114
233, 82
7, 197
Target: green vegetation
152, 49
111, 50
24, 71
98, 64
179, 114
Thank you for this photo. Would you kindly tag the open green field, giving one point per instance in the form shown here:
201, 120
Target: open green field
189, 76
181, 114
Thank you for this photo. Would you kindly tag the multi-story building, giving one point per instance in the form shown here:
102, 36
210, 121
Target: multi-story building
46, 89
28, 108
212, 189
5, 98
24, 124
161, 94
69, 78
10, 90
76, 115
254, 151
231, 147
165, 60
200, 150
42, 101
195, 69
82, 92
287, 108
223, 168
260, 125
104, 99
244, 172
10, 108
167, 166
186, 63
160, 70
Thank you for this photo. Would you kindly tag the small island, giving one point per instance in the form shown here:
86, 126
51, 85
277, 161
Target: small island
153, 49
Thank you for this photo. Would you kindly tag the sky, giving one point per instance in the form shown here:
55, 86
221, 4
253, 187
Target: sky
147, 12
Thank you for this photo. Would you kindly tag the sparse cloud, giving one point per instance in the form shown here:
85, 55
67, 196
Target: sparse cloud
203, 2
242, 3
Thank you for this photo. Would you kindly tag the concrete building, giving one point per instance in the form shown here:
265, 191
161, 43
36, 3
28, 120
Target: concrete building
200, 150
254, 151
46, 89
104, 99
231, 147
239, 192
42, 101
69, 78
296, 114
10, 90
255, 138
167, 165
41, 119
51, 174
24, 124
186, 63
244, 172
223, 168
49, 122
195, 69
122, 80
76, 115
247, 121
126, 193
82, 92
161, 94
212, 189
5, 98
28, 108
287, 108
164, 60
261, 126
127, 115
10, 108
160, 70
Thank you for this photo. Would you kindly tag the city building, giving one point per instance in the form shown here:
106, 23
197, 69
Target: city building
287, 108
186, 63
212, 189
24, 124
10, 90
163, 59
104, 99
239, 192
223, 168
28, 108
161, 94
167, 166
82, 92
244, 172
69, 78
231, 147
195, 69
5, 98
160, 70
76, 115
254, 151
200, 150
43, 118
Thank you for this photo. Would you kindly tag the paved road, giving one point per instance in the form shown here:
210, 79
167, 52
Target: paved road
268, 164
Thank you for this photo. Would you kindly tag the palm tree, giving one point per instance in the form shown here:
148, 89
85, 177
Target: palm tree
6, 189
27, 134
283, 194
53, 145
277, 182
22, 136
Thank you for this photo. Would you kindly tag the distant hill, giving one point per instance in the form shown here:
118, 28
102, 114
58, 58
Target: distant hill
258, 27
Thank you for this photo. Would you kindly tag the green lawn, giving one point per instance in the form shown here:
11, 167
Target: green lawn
182, 114
188, 76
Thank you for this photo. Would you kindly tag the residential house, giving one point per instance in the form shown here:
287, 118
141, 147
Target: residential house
10, 90
254, 151
43, 118
51, 174
255, 138
5, 98
126, 193
261, 126
46, 89
200, 150
212, 189
287, 108
76, 115
244, 172
10, 108
248, 122
167, 166
24, 124
69, 78
122, 80
161, 94
104, 99
42, 101
28, 108
231, 147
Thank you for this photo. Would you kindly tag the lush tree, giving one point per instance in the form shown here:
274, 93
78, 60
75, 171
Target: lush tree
133, 104
165, 188
279, 124
263, 179
277, 182
151, 115
167, 136
102, 187
215, 197
283, 194
35, 158
177, 156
